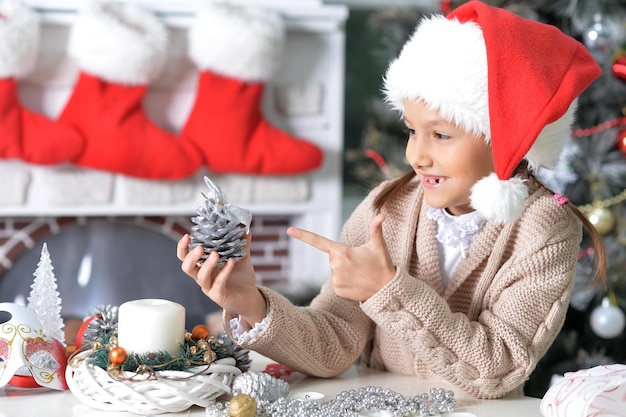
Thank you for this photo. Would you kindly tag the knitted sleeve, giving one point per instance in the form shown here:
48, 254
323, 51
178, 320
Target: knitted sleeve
519, 316
324, 339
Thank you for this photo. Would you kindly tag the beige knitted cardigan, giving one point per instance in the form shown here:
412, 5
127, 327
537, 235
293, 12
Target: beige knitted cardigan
502, 309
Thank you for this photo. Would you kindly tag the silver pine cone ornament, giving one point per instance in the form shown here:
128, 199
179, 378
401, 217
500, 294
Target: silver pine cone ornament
260, 386
103, 321
220, 226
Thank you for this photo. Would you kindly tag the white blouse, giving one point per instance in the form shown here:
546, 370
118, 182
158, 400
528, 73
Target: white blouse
454, 236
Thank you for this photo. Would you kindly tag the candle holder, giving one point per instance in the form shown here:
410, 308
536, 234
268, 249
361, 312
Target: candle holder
149, 393
105, 376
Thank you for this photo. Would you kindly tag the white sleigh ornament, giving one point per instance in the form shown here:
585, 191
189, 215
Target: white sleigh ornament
594, 392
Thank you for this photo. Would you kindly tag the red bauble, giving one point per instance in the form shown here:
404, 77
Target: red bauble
619, 68
118, 355
200, 331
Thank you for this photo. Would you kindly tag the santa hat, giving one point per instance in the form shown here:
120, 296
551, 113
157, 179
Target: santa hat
496, 74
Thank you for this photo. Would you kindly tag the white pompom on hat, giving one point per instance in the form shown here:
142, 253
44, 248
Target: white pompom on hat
493, 73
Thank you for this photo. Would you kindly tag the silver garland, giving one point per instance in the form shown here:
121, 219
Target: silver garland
353, 403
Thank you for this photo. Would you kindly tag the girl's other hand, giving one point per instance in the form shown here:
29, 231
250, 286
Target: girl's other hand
359, 272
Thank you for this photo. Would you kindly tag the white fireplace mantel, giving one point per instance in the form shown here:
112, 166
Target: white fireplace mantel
304, 98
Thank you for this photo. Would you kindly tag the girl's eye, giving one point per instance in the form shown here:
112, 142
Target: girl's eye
409, 132
441, 136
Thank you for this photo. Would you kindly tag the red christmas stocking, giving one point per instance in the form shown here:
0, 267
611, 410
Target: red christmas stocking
237, 49
25, 134
120, 49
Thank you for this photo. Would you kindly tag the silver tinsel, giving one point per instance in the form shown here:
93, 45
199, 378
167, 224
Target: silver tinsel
105, 321
353, 403
220, 226
260, 386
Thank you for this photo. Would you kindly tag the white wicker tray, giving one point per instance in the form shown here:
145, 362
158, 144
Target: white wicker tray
143, 394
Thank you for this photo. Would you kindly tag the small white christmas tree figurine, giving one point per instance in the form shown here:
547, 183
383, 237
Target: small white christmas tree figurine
44, 298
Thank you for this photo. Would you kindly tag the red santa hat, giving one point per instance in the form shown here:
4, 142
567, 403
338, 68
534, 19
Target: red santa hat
496, 74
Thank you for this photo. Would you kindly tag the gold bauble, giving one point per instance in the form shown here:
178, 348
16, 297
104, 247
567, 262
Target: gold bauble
602, 219
242, 405
209, 356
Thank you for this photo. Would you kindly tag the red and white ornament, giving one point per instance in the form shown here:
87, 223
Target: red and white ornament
29, 357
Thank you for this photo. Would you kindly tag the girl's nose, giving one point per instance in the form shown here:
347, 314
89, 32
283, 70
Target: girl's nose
418, 152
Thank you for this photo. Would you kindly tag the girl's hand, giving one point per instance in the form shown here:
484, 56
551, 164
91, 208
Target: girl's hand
232, 287
356, 273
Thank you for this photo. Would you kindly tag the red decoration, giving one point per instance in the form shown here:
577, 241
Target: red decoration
83, 328
24, 381
619, 68
277, 370
586, 252
31, 136
56, 351
200, 331
118, 355
380, 161
445, 6
579, 133
227, 123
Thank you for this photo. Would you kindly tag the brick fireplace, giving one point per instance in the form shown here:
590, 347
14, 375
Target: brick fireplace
305, 98
269, 251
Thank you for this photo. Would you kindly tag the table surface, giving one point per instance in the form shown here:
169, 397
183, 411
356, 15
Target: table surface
42, 402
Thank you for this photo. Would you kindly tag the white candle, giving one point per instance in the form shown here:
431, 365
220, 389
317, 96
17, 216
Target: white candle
151, 325
308, 396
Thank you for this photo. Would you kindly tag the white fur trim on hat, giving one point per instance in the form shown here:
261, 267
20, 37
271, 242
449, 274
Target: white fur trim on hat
502, 201
444, 63
548, 146
19, 39
499, 201
121, 43
243, 42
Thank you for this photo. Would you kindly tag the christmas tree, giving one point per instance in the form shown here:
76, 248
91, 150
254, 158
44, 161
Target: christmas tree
592, 171
44, 298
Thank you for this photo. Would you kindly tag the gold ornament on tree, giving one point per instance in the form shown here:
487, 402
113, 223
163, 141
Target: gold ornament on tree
599, 212
602, 219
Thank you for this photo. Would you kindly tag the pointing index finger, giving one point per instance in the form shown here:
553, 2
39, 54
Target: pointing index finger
313, 239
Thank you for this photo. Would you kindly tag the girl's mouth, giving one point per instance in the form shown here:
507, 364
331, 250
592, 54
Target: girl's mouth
432, 182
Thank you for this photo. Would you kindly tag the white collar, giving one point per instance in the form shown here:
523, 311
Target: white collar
456, 231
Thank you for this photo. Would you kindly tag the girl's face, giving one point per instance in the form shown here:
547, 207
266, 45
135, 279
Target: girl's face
448, 160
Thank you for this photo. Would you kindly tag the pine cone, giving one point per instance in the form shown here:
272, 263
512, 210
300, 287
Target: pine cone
220, 226
260, 386
104, 322
231, 349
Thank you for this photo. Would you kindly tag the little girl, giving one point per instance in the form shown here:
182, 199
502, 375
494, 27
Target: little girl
462, 268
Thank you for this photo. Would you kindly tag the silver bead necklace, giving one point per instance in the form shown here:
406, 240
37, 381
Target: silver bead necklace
352, 403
